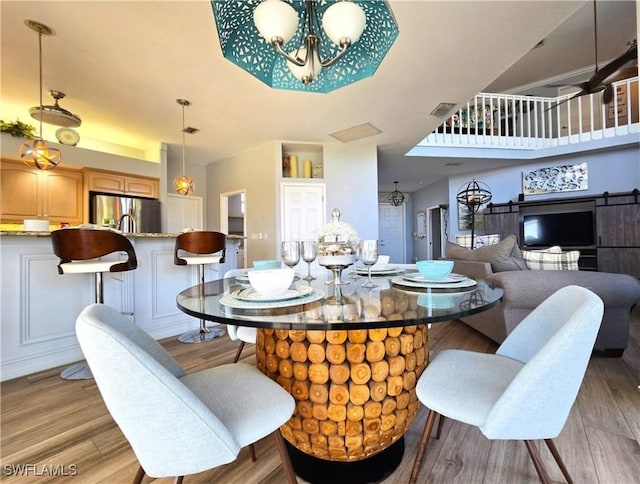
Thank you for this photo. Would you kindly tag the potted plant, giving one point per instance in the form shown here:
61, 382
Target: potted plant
18, 129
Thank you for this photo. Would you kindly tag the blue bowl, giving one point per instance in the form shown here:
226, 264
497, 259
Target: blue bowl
266, 264
435, 269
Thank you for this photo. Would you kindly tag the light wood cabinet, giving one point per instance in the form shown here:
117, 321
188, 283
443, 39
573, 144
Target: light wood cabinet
55, 195
119, 183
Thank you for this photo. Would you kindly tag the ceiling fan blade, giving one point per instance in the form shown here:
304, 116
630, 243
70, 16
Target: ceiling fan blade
612, 67
581, 93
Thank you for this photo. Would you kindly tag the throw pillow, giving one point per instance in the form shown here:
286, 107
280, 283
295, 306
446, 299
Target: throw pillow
553, 260
498, 255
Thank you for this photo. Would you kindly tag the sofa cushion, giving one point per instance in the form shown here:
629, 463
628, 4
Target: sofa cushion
552, 259
500, 256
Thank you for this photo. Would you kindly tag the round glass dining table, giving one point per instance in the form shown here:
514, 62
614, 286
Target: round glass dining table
350, 356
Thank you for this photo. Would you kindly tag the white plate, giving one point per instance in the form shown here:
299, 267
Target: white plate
417, 277
231, 301
384, 270
251, 295
402, 281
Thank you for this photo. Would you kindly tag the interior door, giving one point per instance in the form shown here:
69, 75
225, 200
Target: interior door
303, 209
392, 232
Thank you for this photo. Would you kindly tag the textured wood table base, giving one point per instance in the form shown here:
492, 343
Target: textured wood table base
354, 390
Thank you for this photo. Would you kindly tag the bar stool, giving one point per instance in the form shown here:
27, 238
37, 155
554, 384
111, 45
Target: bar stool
79, 251
200, 248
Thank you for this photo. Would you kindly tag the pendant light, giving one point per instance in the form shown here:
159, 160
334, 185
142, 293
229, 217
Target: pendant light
183, 184
36, 152
396, 197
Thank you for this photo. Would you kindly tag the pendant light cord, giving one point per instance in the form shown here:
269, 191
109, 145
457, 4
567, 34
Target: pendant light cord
183, 162
40, 63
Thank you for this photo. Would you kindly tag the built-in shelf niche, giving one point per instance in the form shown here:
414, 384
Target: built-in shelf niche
295, 157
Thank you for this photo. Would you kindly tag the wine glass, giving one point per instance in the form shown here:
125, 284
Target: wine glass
309, 255
290, 251
369, 256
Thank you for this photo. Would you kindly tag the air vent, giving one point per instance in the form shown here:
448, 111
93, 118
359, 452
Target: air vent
356, 132
443, 109
190, 130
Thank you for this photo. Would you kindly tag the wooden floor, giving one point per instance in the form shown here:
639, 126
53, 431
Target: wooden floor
63, 426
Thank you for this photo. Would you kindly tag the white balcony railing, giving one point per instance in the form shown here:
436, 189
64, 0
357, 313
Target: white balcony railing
531, 123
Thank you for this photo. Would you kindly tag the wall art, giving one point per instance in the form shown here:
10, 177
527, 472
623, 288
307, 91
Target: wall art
564, 178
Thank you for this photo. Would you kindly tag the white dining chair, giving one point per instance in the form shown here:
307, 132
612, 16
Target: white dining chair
243, 334
177, 423
526, 389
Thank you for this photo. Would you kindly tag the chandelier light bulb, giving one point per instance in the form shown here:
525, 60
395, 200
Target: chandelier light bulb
275, 19
344, 21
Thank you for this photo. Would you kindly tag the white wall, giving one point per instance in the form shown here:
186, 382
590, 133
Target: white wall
351, 175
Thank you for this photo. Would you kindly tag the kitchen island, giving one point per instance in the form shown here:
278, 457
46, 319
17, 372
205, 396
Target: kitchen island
39, 306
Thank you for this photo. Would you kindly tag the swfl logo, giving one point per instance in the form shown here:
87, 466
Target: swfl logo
40, 470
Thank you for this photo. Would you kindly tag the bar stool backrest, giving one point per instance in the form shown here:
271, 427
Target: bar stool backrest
85, 244
200, 242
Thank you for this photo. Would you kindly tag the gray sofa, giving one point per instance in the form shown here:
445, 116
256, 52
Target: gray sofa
526, 289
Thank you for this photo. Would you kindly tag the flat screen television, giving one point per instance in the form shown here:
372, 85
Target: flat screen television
572, 229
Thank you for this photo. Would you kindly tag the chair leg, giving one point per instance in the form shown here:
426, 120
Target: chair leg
139, 476
537, 462
286, 460
178, 479
240, 348
441, 420
417, 464
556, 456
252, 452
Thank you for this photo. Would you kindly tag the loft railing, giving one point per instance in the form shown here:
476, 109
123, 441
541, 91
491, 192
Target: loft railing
531, 122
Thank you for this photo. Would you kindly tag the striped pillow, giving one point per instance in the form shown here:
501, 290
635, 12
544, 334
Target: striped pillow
551, 259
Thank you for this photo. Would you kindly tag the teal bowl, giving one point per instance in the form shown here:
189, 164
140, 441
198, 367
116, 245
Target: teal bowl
435, 269
266, 264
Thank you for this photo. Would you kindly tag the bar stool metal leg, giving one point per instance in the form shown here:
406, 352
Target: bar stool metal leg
203, 333
80, 370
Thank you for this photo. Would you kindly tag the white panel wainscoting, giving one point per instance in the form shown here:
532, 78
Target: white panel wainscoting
39, 306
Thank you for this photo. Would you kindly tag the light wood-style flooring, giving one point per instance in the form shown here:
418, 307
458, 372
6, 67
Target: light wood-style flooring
64, 425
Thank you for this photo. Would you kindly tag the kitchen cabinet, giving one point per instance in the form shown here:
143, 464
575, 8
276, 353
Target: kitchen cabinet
55, 195
120, 183
618, 233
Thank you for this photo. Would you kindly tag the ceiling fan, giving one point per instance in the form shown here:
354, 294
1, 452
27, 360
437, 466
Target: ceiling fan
602, 78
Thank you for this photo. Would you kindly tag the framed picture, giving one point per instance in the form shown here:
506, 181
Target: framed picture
464, 218
421, 224
564, 178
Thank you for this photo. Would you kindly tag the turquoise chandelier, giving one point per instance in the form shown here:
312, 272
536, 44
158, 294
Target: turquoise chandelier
305, 45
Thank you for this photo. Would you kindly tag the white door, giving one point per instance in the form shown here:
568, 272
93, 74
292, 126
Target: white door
392, 232
184, 213
303, 209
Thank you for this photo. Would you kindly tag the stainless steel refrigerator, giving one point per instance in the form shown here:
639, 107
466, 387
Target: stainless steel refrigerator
129, 214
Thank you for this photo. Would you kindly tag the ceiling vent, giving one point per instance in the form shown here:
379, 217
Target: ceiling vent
356, 132
442, 109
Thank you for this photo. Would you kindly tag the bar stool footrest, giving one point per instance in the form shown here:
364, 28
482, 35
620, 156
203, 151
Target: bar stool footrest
79, 371
199, 336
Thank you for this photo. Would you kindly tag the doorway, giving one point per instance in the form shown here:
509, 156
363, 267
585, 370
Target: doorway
233, 221
436, 240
